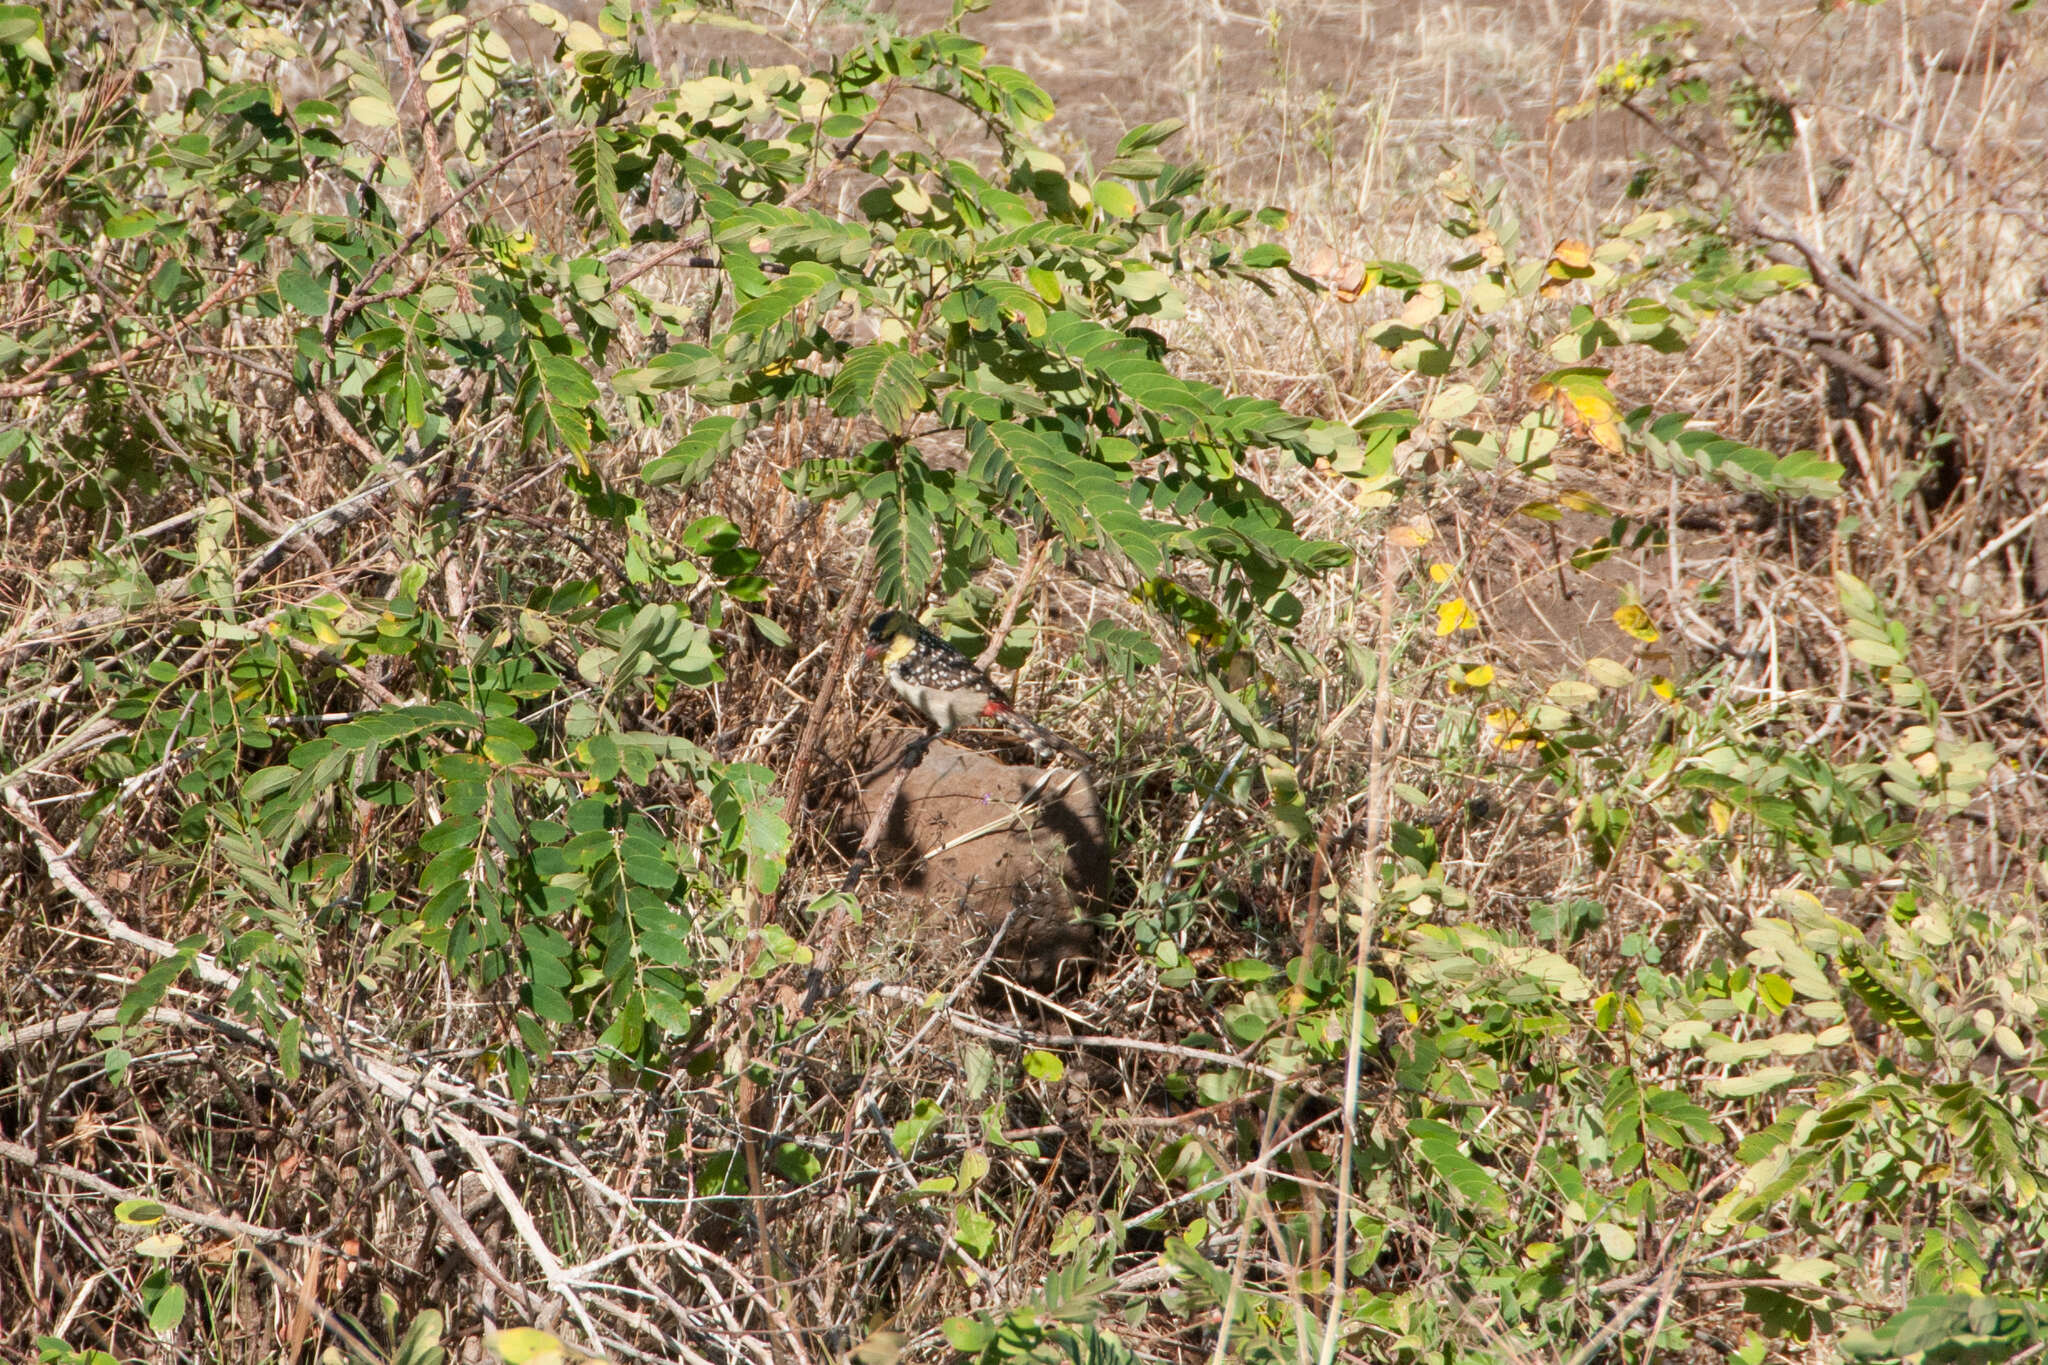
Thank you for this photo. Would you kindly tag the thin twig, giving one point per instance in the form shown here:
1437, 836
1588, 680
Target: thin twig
1018, 590
899, 1054
844, 636
1380, 785
234, 1227
976, 1026
1655, 1293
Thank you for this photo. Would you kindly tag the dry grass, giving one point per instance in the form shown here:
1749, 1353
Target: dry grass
1922, 179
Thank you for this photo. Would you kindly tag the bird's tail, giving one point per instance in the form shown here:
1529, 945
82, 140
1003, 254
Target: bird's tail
1039, 738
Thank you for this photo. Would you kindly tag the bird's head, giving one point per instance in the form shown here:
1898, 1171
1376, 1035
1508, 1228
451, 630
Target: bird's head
886, 630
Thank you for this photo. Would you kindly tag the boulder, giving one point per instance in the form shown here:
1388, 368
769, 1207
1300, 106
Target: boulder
973, 838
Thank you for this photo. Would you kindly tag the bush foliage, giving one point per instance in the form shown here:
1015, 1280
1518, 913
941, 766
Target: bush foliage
445, 470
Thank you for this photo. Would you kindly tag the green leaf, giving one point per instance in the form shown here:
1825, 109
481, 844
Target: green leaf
1617, 1241
463, 78
1474, 1185
555, 397
797, 1164
907, 507
710, 440
139, 1213
19, 25
1047, 472
1115, 199
795, 234
149, 988
754, 320
168, 1310
595, 164
1026, 100
884, 381
1758, 1082
446, 869
749, 816
1885, 998
125, 225
974, 1230
1146, 136
969, 1336
303, 291
908, 1132
398, 723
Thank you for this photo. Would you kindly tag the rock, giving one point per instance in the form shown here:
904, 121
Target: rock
973, 838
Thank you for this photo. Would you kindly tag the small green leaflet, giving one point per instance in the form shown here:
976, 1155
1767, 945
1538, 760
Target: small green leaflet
1471, 1181
1886, 999
556, 395
691, 458
908, 503
594, 162
760, 315
884, 381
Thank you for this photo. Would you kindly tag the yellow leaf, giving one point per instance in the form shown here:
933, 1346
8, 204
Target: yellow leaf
526, 1346
1412, 535
881, 1348
1427, 303
1572, 253
1606, 435
1720, 815
372, 112
1442, 573
1584, 502
1661, 685
139, 1213
1455, 615
272, 41
1608, 673
1634, 620
1503, 726
910, 198
1592, 404
161, 1245
1473, 680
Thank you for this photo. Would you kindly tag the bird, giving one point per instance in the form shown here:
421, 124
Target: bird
944, 686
